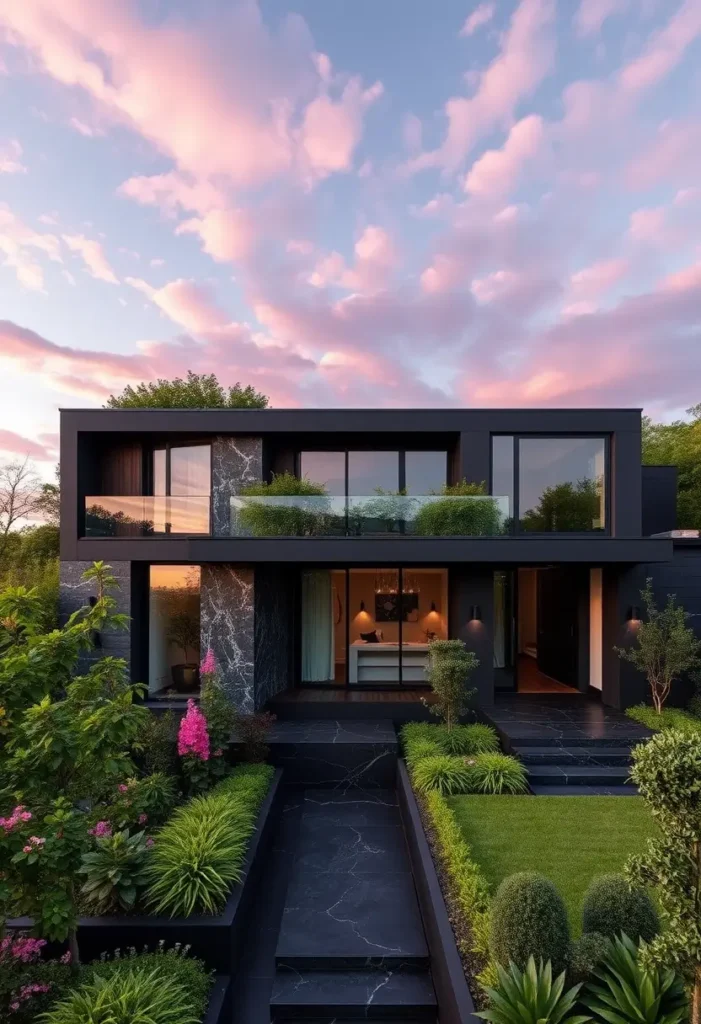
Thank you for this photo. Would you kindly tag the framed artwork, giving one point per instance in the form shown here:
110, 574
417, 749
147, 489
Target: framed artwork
387, 607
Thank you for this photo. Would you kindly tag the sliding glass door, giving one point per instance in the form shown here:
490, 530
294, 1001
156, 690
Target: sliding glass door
370, 627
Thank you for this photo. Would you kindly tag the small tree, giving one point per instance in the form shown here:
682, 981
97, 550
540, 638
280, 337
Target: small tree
665, 646
20, 497
199, 391
450, 666
667, 771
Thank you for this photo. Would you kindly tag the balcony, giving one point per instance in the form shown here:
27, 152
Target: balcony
429, 515
146, 515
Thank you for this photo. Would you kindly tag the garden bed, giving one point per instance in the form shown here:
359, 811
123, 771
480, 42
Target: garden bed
216, 939
570, 840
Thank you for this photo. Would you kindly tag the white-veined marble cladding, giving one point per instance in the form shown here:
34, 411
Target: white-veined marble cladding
236, 462
273, 604
227, 627
75, 592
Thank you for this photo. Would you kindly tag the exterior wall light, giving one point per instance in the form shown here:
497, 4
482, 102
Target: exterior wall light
362, 606
633, 614
475, 613
433, 606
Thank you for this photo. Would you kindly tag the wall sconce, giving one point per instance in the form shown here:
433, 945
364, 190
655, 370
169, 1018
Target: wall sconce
433, 606
362, 606
475, 613
633, 613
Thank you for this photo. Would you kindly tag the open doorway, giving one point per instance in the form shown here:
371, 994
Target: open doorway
547, 631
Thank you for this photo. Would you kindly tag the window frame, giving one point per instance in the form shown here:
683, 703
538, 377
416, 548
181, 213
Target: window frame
548, 435
148, 477
401, 463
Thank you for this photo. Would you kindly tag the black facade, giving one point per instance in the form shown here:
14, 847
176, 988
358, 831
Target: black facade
130, 495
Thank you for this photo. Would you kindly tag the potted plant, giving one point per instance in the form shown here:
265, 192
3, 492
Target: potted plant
183, 633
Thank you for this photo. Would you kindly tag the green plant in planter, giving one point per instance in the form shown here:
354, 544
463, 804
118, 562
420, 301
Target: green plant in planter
531, 996
498, 773
114, 871
138, 996
624, 992
468, 740
386, 512
183, 632
450, 666
449, 775
466, 512
294, 519
417, 750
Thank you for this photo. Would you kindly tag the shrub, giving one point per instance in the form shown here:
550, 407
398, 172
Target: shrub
287, 519
410, 732
160, 742
467, 511
198, 854
626, 993
468, 739
419, 749
29, 984
668, 718
138, 801
529, 919
585, 955
450, 665
115, 871
612, 905
531, 997
448, 775
173, 963
498, 773
136, 996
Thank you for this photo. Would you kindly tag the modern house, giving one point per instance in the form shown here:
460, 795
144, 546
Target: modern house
537, 566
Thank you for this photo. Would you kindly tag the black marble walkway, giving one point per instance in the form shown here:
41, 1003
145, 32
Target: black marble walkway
344, 755
570, 744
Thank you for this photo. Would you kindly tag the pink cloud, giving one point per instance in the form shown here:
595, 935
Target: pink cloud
226, 235
497, 171
664, 50
480, 17
186, 303
16, 444
10, 162
592, 14
595, 280
20, 246
171, 192
93, 256
672, 155
332, 129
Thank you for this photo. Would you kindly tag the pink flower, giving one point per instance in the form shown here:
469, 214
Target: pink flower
122, 787
102, 830
149, 842
26, 949
26, 849
193, 738
36, 841
208, 665
67, 957
218, 752
19, 814
14, 1006
143, 818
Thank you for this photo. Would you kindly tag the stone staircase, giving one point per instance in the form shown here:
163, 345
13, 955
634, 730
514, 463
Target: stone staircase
599, 768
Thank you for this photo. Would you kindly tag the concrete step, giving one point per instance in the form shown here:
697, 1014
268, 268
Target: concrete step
615, 756
599, 790
577, 775
347, 995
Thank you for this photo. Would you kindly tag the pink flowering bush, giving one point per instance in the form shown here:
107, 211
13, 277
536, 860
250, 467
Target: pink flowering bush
28, 983
137, 801
193, 738
208, 665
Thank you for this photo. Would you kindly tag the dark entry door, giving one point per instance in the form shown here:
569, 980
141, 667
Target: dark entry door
557, 625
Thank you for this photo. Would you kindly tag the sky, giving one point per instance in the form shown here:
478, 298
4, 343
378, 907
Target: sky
376, 203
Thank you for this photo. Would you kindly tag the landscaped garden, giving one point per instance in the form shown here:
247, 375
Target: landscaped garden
110, 813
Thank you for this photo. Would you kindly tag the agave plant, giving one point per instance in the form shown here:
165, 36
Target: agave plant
627, 993
532, 997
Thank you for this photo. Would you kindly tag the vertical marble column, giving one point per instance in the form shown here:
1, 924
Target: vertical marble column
273, 603
236, 462
227, 627
74, 592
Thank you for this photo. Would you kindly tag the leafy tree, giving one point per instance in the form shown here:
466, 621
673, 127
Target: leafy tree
199, 391
679, 444
450, 667
665, 646
565, 507
49, 504
667, 770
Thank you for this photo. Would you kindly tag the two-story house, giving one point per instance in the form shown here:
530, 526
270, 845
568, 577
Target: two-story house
536, 566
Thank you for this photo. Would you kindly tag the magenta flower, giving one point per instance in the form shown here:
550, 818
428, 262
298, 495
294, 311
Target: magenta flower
102, 830
26, 849
208, 665
193, 738
149, 842
19, 814
122, 787
67, 957
143, 818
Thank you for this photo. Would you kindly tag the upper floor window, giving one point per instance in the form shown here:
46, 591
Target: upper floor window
182, 470
555, 484
355, 473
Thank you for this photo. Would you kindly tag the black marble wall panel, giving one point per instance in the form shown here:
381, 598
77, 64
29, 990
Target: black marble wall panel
74, 593
236, 462
227, 627
272, 632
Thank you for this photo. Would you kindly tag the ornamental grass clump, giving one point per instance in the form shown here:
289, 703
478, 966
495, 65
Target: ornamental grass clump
468, 739
137, 996
417, 750
498, 773
447, 775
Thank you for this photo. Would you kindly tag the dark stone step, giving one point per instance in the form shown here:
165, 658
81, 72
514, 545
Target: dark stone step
536, 737
618, 757
601, 790
357, 753
398, 995
577, 775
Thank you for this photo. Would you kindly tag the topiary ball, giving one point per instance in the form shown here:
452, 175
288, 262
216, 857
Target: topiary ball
529, 919
585, 956
611, 906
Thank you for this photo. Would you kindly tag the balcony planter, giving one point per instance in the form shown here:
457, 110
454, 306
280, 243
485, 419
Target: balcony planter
215, 939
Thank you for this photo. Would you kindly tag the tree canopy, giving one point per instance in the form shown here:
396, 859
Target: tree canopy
679, 444
199, 391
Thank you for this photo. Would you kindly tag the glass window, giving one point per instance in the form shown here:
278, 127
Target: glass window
561, 484
174, 630
190, 470
159, 471
327, 468
503, 468
425, 472
369, 472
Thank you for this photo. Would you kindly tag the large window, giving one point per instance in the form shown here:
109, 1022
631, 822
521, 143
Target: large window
371, 627
181, 475
327, 468
358, 473
555, 484
174, 630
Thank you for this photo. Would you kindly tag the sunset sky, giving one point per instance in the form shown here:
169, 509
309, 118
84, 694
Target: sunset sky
349, 202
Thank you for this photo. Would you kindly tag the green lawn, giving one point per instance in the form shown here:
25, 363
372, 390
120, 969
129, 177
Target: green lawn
570, 839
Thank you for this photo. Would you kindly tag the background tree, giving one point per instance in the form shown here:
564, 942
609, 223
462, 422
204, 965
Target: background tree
49, 504
665, 646
20, 495
679, 444
566, 506
199, 391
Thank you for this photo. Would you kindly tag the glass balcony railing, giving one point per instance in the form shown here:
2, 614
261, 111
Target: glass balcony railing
427, 515
146, 515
